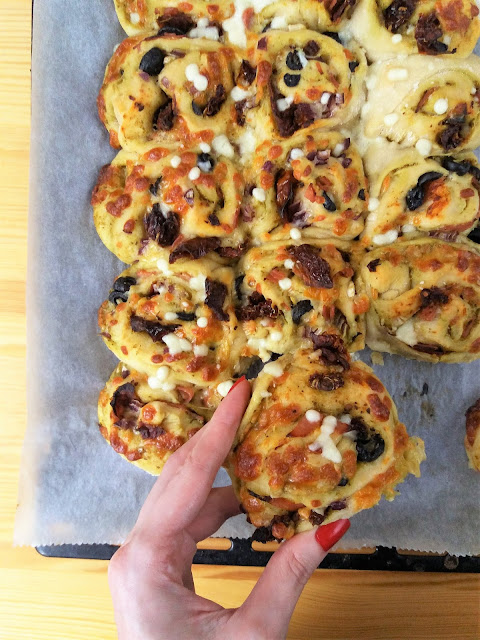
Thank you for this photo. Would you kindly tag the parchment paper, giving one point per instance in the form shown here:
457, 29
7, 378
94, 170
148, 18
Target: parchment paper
74, 488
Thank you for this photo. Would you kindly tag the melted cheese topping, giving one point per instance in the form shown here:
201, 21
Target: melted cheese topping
325, 442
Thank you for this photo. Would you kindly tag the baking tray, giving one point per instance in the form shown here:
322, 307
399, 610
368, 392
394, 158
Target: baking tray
242, 554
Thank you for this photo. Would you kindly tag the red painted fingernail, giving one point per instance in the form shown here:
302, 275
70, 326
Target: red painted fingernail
329, 534
236, 383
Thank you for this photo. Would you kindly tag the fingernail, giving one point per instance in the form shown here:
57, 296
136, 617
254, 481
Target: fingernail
236, 383
329, 534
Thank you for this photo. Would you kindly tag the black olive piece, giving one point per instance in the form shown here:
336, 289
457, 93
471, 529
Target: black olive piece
121, 287
152, 62
361, 194
372, 266
293, 61
254, 368
370, 445
198, 111
300, 309
333, 35
416, 195
172, 31
329, 204
206, 161
474, 236
291, 79
353, 65
155, 186
475, 171
343, 482
238, 286
187, 317
460, 168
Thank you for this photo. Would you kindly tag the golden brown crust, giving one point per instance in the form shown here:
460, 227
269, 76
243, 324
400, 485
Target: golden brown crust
325, 92
472, 437
147, 425
147, 204
294, 291
146, 96
416, 196
314, 183
318, 442
430, 27
424, 300
180, 319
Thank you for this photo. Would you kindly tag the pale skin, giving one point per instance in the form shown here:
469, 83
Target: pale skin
150, 576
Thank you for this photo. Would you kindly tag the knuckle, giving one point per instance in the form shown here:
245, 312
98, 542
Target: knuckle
297, 567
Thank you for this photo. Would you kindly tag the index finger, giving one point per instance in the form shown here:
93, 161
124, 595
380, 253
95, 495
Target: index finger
176, 499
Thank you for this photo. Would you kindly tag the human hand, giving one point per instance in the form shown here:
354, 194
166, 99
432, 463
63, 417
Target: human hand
150, 575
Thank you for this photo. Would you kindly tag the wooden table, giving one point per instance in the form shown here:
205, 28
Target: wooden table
52, 599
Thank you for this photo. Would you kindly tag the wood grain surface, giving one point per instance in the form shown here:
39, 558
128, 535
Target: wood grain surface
55, 599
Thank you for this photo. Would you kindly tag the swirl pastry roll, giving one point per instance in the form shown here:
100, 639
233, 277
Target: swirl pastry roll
306, 81
472, 437
192, 19
319, 443
292, 292
173, 321
424, 300
413, 196
144, 424
146, 204
313, 183
431, 104
389, 28
327, 16
173, 89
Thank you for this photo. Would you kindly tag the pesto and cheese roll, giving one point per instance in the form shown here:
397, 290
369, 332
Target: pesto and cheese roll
320, 440
389, 28
306, 81
174, 321
290, 293
413, 196
472, 437
157, 201
424, 299
428, 103
312, 184
145, 423
329, 16
192, 19
171, 90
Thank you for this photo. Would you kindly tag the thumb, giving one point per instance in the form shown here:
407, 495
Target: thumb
272, 601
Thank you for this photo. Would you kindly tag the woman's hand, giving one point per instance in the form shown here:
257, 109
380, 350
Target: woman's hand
151, 574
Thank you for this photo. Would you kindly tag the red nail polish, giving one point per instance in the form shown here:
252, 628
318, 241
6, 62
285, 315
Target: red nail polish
329, 534
237, 382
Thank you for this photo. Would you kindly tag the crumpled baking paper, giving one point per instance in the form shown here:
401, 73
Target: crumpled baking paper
73, 487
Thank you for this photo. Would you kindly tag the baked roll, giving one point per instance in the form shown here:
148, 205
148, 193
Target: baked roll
313, 183
157, 201
431, 104
329, 16
434, 27
178, 318
144, 424
424, 299
170, 89
472, 437
291, 293
412, 196
320, 441
306, 81
192, 19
